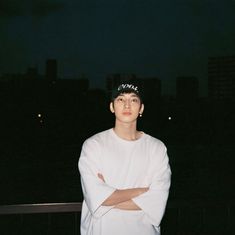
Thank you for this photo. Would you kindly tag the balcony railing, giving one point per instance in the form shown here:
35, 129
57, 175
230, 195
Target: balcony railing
41, 208
64, 218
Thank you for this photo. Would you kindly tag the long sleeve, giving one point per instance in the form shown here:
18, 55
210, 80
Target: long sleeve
95, 191
154, 201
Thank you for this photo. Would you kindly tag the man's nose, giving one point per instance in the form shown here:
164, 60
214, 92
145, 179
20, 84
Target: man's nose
127, 104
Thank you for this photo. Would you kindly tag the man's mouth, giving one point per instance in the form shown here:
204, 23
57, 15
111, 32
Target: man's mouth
126, 113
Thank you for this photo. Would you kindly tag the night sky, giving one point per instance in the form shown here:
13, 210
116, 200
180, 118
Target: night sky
94, 38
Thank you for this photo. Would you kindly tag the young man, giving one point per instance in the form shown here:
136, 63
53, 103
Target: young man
125, 174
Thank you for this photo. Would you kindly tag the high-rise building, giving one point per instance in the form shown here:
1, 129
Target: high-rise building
221, 77
32, 73
151, 87
51, 69
186, 88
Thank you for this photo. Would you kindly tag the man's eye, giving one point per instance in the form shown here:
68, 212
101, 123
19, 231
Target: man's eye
134, 100
120, 99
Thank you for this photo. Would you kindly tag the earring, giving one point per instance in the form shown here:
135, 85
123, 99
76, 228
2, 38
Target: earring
140, 114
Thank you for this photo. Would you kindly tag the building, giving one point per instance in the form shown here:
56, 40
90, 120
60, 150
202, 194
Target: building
152, 88
32, 73
51, 70
221, 77
186, 88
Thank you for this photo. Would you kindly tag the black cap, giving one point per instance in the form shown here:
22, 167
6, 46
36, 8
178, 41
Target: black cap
126, 88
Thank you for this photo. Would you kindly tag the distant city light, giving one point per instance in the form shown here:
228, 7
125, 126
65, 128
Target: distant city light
40, 118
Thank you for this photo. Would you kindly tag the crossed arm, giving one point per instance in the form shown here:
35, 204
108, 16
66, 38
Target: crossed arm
122, 199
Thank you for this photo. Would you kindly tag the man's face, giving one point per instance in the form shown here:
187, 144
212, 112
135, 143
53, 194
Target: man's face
127, 107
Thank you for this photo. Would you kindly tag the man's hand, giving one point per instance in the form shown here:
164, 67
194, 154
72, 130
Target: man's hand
128, 205
122, 198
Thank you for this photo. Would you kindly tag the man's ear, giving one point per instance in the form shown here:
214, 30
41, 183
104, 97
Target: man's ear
142, 109
111, 107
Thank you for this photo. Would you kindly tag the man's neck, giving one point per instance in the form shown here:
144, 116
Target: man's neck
127, 131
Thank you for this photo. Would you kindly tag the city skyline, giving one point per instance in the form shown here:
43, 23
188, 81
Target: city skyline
147, 38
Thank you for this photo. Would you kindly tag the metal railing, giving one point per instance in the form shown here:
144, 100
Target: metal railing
42, 218
41, 208
180, 217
